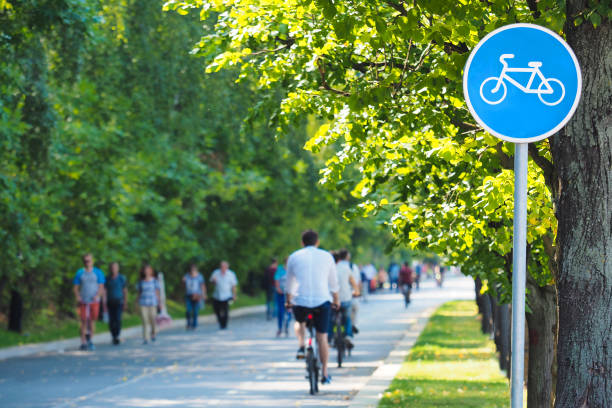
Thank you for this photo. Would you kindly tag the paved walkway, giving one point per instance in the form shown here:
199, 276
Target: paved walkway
243, 366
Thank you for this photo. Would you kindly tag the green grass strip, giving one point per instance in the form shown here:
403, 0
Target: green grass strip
451, 365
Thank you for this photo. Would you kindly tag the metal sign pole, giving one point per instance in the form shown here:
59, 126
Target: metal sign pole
519, 273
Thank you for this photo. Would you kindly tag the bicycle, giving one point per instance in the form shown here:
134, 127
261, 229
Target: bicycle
545, 87
340, 335
406, 290
312, 359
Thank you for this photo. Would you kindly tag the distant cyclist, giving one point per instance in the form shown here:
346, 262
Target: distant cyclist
405, 281
312, 288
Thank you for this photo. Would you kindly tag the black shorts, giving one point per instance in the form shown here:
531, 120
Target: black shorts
321, 316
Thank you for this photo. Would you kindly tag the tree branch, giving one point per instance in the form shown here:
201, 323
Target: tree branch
364, 65
547, 168
324, 84
268, 51
533, 6
398, 7
460, 48
464, 126
505, 160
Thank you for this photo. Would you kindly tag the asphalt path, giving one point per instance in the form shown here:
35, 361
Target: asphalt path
242, 366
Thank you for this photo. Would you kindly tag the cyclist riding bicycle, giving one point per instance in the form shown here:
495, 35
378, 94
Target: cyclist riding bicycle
312, 288
348, 287
405, 282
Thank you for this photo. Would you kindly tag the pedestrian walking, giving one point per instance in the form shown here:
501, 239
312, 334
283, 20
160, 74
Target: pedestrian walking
418, 269
88, 286
370, 275
270, 288
365, 283
225, 290
354, 303
116, 300
282, 313
195, 295
148, 300
381, 278
393, 271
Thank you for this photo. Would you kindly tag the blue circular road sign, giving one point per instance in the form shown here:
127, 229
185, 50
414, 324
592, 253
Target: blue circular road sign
522, 83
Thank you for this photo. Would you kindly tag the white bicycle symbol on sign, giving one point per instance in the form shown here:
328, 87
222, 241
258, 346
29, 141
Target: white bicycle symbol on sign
550, 91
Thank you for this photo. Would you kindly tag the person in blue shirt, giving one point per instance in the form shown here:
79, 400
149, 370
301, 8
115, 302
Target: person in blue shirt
116, 300
88, 286
283, 314
195, 294
148, 299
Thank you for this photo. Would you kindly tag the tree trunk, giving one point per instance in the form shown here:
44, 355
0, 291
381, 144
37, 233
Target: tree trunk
477, 288
487, 315
15, 312
502, 336
542, 322
484, 307
505, 324
582, 155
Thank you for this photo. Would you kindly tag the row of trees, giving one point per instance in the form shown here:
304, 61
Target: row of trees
385, 78
113, 141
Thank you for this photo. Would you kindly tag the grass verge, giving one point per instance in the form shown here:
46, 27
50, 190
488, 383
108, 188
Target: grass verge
47, 328
452, 364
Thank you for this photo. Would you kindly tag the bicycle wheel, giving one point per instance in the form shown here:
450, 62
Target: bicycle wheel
311, 367
553, 97
488, 93
316, 374
339, 345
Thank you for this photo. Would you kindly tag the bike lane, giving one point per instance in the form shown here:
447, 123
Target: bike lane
243, 366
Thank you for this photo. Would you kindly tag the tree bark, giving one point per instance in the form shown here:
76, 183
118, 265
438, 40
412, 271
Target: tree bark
484, 307
542, 323
505, 336
16, 312
582, 155
502, 335
487, 314
477, 288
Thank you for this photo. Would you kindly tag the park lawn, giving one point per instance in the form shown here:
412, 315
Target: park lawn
452, 364
47, 328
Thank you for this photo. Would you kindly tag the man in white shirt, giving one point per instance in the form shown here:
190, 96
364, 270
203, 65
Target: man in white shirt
312, 288
225, 290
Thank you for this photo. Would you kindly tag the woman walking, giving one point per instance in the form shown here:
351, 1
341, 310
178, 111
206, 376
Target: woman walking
148, 299
195, 293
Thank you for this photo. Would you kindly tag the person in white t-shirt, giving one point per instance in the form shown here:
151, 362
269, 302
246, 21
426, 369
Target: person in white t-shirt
225, 290
312, 288
348, 288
